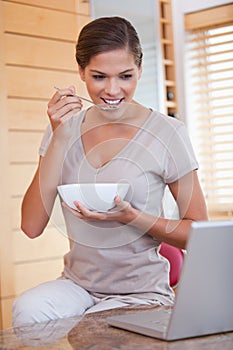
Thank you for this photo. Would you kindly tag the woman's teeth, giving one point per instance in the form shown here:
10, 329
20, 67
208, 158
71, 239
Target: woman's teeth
112, 102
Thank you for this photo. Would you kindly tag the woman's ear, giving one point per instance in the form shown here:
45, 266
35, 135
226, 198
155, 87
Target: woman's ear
81, 72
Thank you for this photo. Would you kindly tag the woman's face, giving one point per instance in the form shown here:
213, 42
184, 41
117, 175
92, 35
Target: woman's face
111, 77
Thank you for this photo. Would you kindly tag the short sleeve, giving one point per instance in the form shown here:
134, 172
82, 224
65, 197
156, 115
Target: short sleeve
180, 156
45, 141
76, 123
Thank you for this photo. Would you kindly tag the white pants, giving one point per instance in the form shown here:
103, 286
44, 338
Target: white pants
61, 298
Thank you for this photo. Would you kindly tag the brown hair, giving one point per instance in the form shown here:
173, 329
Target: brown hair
107, 34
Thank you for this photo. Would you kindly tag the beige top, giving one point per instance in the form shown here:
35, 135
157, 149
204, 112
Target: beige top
110, 258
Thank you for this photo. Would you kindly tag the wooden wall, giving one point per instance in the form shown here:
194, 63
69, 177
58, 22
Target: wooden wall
37, 47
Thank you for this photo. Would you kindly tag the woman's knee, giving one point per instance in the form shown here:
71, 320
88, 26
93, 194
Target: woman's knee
50, 301
24, 310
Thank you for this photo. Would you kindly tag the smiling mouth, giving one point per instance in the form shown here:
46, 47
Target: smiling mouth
112, 103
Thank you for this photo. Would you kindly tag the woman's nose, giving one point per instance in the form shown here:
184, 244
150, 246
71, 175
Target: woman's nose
112, 87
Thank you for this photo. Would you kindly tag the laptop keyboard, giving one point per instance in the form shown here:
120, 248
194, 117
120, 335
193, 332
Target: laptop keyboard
159, 319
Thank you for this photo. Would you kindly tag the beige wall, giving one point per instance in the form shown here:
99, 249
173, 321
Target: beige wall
37, 40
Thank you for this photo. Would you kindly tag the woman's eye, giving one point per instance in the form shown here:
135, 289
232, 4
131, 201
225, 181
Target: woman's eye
98, 77
126, 76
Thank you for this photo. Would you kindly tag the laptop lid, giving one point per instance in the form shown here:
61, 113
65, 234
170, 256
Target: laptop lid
204, 299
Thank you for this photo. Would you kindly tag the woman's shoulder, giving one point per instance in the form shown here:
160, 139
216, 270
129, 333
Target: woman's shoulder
166, 120
164, 125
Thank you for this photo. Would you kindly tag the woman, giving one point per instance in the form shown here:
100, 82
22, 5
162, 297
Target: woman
114, 257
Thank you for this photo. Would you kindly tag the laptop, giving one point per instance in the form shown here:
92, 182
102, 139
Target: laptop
204, 296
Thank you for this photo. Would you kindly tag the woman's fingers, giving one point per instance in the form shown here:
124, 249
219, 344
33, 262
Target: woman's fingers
120, 204
83, 213
118, 213
63, 105
60, 110
89, 214
70, 91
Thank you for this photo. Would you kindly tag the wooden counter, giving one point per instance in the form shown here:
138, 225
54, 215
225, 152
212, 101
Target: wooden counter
93, 333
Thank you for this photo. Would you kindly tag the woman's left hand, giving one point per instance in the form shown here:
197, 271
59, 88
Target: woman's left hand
122, 212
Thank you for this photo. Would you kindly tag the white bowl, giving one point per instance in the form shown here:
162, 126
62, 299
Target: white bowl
97, 197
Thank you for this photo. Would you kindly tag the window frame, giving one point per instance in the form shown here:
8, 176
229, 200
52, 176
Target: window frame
197, 23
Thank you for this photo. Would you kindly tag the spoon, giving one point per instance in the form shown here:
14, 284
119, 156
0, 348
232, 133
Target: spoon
108, 108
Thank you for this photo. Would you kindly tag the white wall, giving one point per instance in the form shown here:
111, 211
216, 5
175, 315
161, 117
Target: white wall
143, 15
179, 8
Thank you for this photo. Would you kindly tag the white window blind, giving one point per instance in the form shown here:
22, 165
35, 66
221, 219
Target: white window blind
210, 107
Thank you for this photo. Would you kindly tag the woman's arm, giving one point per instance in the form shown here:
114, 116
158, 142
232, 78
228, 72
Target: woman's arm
192, 207
189, 198
39, 199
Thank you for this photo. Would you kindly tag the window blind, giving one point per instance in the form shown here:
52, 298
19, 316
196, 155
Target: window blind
209, 59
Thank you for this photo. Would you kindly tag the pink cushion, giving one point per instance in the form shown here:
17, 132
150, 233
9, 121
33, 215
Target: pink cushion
175, 256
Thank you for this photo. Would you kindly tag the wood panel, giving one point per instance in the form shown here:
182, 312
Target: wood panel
20, 82
40, 53
83, 7
82, 21
67, 5
20, 177
41, 248
40, 22
38, 39
168, 58
15, 211
6, 306
30, 275
6, 267
205, 18
56, 221
24, 146
27, 115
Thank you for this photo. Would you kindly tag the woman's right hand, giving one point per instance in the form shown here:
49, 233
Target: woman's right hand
61, 108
